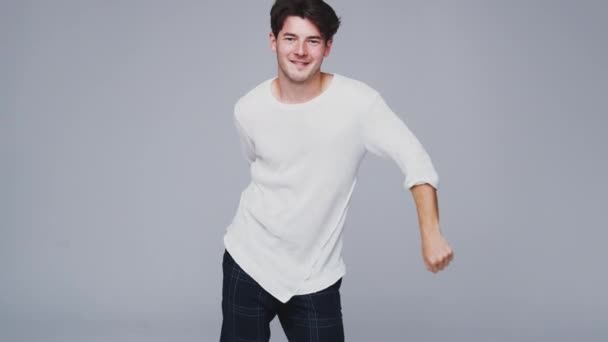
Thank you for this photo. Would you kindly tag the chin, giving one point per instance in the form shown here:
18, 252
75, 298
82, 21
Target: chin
301, 77
298, 78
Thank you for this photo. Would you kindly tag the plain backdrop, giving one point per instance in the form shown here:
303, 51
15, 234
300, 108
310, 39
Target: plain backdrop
120, 167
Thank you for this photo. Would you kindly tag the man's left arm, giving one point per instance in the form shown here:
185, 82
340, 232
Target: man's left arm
436, 251
386, 135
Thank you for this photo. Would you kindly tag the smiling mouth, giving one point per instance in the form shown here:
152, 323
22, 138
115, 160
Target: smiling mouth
300, 63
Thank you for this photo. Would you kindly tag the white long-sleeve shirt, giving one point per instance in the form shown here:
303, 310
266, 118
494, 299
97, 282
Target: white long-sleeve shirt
303, 158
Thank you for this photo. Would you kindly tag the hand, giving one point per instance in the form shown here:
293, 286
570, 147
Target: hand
436, 252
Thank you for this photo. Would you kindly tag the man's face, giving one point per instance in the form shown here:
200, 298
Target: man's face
300, 49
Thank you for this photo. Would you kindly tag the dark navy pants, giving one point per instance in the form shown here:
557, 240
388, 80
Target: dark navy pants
247, 310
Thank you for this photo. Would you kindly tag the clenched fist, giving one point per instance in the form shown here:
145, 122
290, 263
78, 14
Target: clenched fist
436, 252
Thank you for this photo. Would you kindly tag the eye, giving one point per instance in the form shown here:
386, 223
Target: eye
314, 42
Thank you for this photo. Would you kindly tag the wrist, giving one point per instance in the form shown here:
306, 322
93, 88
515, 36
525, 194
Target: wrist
430, 230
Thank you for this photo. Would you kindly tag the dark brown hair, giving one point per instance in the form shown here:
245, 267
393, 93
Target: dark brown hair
317, 11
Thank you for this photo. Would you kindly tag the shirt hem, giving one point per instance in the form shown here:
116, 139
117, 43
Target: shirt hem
255, 272
322, 283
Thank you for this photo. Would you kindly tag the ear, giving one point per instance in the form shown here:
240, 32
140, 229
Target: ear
273, 42
328, 47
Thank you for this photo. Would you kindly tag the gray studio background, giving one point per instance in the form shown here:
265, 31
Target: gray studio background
120, 167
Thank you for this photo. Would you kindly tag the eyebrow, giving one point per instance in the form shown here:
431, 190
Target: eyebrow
294, 35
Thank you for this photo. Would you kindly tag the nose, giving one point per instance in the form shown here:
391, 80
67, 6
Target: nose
301, 49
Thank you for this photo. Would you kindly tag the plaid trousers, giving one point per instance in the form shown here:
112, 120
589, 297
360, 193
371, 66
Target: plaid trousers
247, 310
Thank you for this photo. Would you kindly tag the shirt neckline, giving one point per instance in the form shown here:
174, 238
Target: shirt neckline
294, 106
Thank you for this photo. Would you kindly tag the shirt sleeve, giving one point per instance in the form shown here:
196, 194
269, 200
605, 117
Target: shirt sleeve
386, 135
247, 145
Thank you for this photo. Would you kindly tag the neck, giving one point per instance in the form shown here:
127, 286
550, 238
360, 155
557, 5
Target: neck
291, 92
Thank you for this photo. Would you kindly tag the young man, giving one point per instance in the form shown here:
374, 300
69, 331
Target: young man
304, 134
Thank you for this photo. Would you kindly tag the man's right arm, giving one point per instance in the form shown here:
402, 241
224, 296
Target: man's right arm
246, 143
